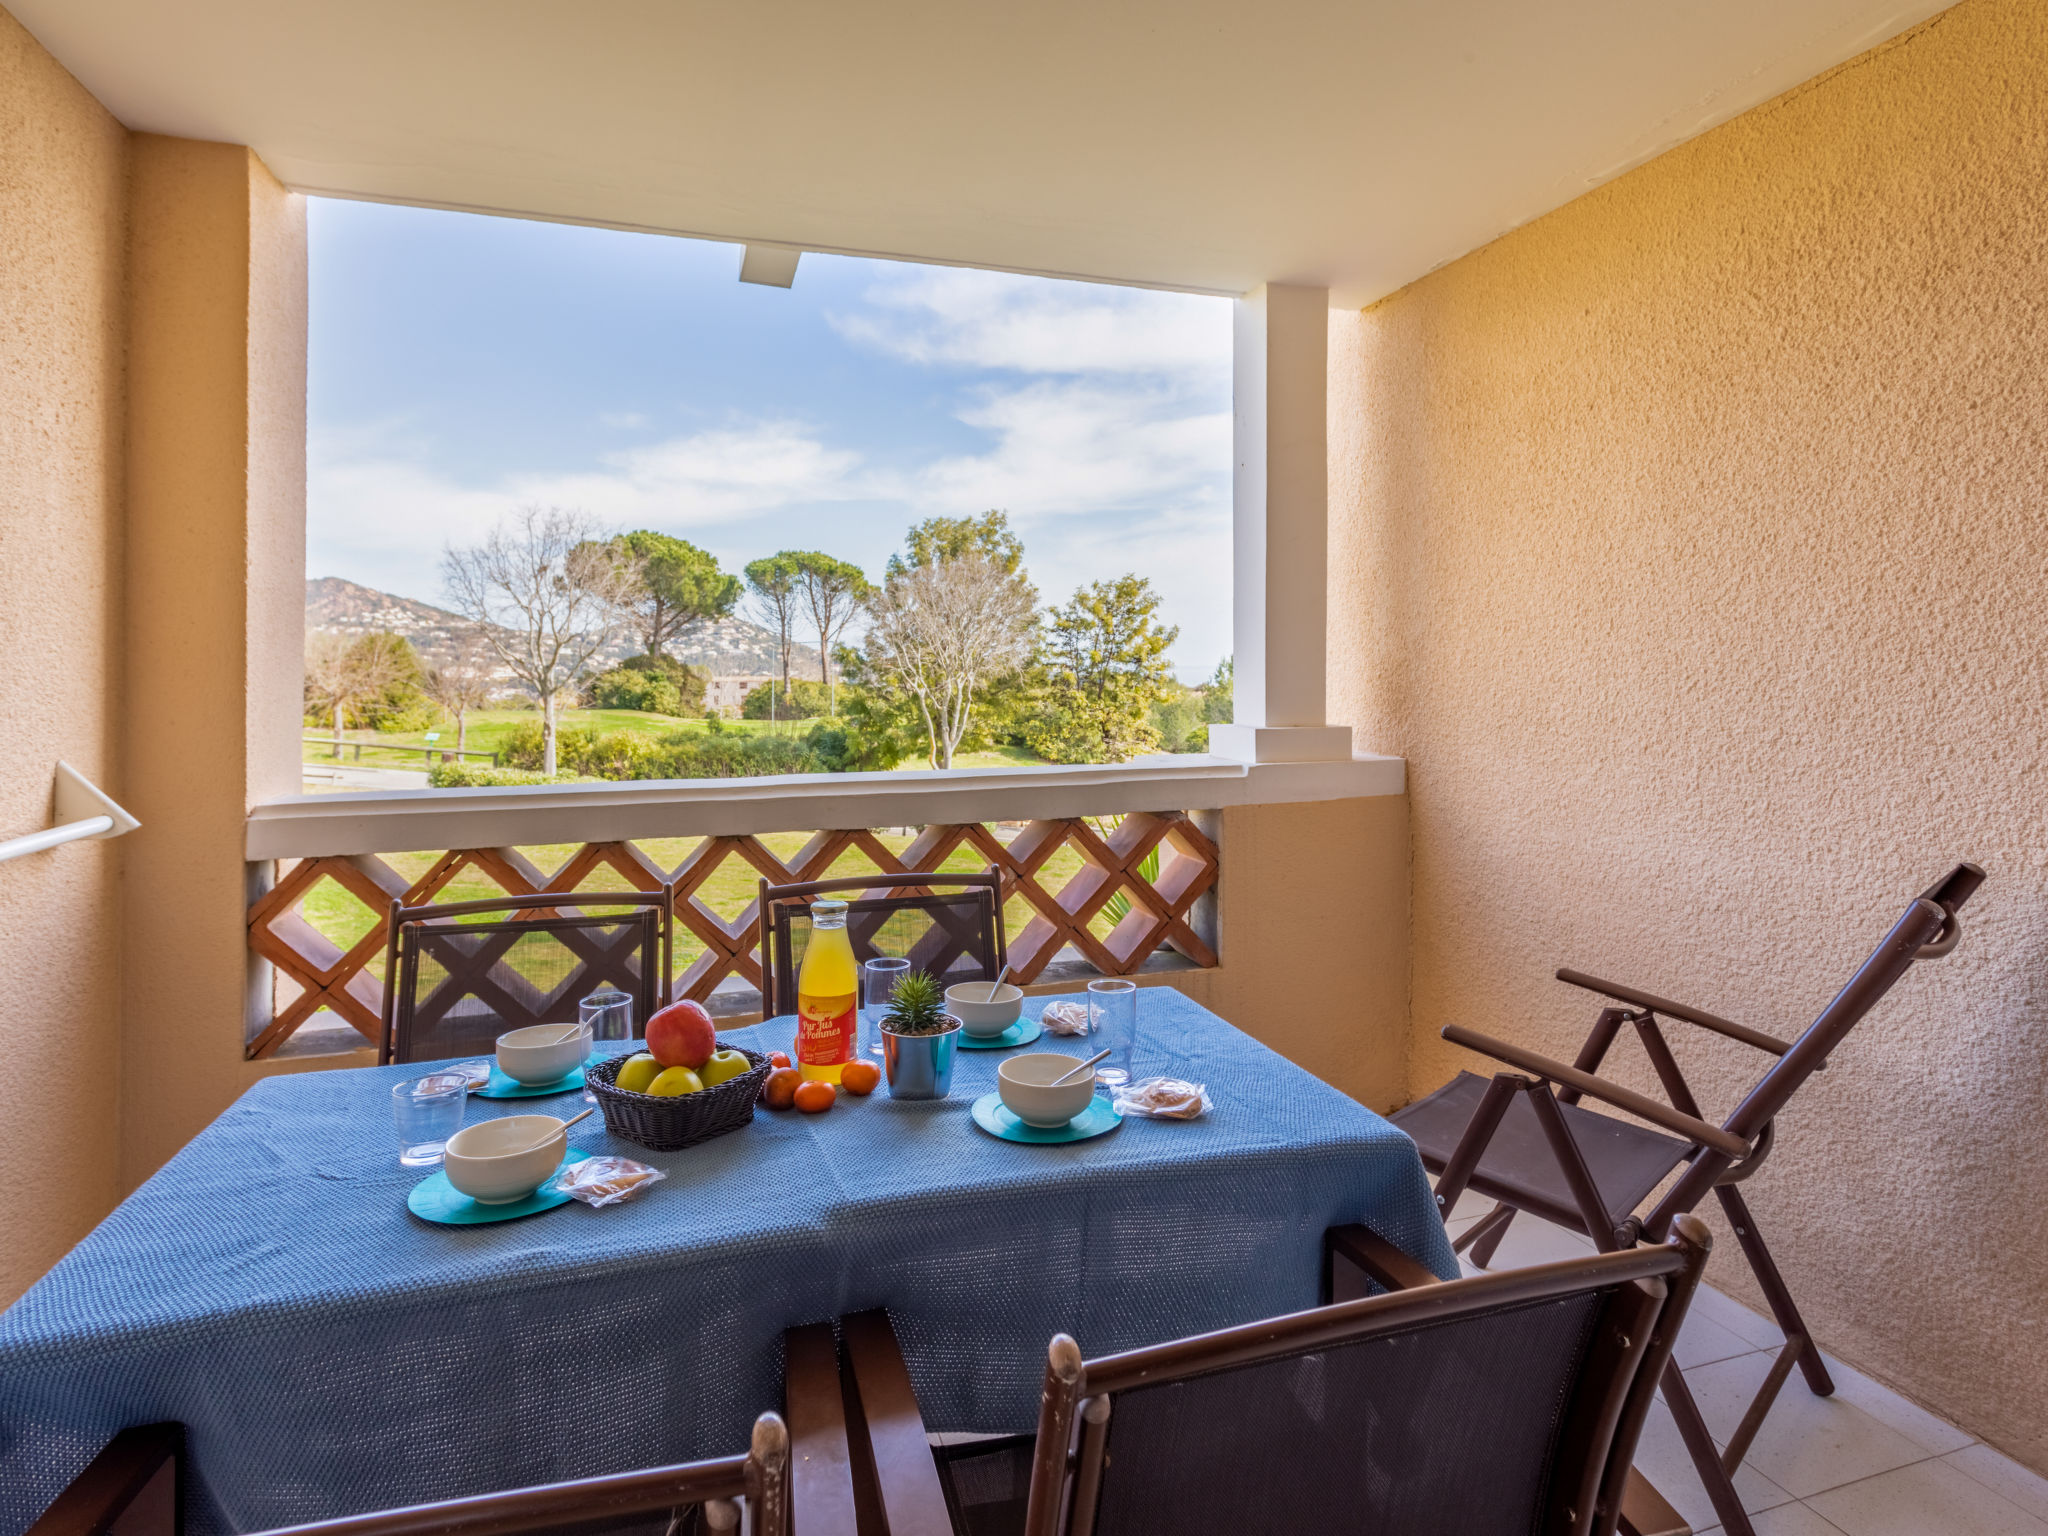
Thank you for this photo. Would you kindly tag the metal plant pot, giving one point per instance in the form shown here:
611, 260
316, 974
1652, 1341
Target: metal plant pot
920, 1066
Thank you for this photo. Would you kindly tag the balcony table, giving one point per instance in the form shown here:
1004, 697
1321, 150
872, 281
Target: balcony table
331, 1353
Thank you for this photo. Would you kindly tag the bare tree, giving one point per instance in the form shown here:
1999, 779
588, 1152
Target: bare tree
545, 590
464, 683
944, 632
342, 673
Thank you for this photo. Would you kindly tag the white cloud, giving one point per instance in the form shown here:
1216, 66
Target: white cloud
1076, 447
1106, 410
997, 320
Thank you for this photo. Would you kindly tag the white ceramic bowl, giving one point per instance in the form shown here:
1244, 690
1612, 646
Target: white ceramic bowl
495, 1162
1025, 1084
982, 1019
525, 1058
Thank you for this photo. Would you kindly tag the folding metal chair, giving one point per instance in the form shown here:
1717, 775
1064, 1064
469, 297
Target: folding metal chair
1523, 1140
950, 925
1508, 1402
458, 975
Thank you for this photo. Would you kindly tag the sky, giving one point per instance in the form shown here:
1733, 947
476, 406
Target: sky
464, 365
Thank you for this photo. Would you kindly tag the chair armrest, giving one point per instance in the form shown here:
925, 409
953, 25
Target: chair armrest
1690, 1127
1669, 1009
821, 1462
1646, 1512
1379, 1259
888, 1427
113, 1480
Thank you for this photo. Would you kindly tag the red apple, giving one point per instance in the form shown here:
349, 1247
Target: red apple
681, 1035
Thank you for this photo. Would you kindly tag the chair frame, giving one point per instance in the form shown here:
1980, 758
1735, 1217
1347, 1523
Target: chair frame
400, 974
1721, 1156
108, 1497
778, 967
761, 1477
1594, 1491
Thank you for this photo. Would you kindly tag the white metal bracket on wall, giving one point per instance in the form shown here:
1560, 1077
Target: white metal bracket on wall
83, 810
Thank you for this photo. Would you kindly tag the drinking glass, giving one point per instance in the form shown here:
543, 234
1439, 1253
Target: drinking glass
878, 980
428, 1110
608, 1015
1113, 1021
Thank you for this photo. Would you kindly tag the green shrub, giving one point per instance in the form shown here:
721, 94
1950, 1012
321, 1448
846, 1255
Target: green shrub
461, 775
731, 755
623, 688
805, 700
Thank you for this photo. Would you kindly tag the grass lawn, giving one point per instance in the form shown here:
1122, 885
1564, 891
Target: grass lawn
489, 729
344, 920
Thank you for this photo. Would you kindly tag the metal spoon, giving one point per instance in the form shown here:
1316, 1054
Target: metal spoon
1064, 1077
992, 986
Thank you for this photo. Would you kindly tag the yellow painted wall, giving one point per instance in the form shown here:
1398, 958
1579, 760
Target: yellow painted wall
1313, 937
62, 228
1692, 545
152, 485
216, 569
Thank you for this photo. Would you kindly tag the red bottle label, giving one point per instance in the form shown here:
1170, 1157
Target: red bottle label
826, 1031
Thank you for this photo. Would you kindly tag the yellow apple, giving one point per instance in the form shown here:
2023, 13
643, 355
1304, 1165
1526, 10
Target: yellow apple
637, 1073
723, 1066
674, 1081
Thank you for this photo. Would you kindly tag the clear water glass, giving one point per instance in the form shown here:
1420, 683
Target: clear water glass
878, 980
428, 1111
1113, 1022
608, 1015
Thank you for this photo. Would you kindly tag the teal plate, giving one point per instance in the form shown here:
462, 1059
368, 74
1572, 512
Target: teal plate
435, 1199
1023, 1032
502, 1087
994, 1116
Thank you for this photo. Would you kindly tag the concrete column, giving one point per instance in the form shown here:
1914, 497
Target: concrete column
1280, 530
215, 582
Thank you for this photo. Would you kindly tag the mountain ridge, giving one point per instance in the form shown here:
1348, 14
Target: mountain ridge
729, 647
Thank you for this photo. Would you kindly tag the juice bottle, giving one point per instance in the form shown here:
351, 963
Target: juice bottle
827, 987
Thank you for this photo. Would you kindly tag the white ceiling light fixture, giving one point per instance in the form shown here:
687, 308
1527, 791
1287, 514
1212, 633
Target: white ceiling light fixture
769, 265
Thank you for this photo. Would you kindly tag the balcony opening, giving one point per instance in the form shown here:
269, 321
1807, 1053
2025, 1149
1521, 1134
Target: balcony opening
888, 517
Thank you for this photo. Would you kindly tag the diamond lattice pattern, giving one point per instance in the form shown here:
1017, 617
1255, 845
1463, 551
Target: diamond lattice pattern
1115, 890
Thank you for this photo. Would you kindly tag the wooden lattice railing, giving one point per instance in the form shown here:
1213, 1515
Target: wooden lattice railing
1115, 893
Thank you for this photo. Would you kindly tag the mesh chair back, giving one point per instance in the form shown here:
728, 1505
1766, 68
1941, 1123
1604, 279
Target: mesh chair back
949, 925
459, 977
1451, 1429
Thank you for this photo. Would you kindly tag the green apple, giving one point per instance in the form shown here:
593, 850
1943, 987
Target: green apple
674, 1081
637, 1073
722, 1066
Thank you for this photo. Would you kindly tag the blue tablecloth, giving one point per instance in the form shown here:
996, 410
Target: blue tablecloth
330, 1353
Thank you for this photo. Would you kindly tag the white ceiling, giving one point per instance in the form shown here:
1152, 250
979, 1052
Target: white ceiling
1190, 144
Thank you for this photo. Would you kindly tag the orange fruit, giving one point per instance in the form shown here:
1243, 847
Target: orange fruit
815, 1098
778, 1091
860, 1077
778, 1058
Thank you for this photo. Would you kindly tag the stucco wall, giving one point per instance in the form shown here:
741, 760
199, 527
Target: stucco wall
62, 164
1312, 921
1690, 544
216, 508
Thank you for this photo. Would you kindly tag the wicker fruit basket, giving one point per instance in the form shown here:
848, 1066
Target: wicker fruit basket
666, 1124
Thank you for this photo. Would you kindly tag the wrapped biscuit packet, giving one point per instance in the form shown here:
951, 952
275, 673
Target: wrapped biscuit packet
1163, 1098
600, 1181
1065, 1018
477, 1072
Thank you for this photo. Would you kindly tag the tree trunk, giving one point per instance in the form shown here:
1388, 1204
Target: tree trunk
337, 730
461, 731
547, 732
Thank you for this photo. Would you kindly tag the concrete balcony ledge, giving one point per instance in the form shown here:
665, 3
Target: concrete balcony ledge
299, 826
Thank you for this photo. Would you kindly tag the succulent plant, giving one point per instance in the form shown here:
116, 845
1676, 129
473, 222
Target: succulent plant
918, 1007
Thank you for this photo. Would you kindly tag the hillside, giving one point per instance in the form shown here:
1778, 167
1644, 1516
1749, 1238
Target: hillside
731, 647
